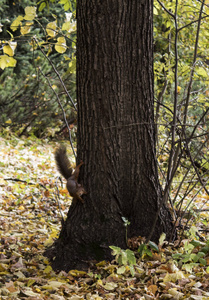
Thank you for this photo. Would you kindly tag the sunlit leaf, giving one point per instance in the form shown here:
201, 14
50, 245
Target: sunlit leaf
26, 28
10, 48
61, 46
51, 28
15, 24
69, 26
30, 13
6, 61
162, 239
121, 270
67, 4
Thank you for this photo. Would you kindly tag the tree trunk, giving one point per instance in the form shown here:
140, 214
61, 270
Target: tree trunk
116, 137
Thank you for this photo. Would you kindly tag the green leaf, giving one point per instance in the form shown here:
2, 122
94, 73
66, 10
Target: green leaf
201, 254
131, 257
187, 257
132, 270
116, 250
67, 4
141, 249
149, 253
196, 243
194, 257
188, 247
42, 6
153, 246
124, 258
177, 256
205, 249
203, 261
189, 267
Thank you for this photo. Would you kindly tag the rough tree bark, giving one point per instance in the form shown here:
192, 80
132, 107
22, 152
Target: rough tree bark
116, 137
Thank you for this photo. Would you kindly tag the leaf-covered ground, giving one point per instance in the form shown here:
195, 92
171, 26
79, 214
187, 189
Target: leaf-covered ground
30, 221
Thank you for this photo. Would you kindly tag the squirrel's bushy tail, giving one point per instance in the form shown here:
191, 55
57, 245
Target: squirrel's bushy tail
63, 163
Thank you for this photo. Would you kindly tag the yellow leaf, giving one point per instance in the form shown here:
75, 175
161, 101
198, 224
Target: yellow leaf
99, 282
30, 282
30, 13
10, 49
173, 277
202, 72
69, 26
3, 267
101, 263
155, 11
51, 28
76, 273
47, 270
49, 242
26, 28
54, 234
176, 294
12, 62
6, 61
16, 23
60, 46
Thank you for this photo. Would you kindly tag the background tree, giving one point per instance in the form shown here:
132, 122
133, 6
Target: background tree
116, 138
181, 85
28, 104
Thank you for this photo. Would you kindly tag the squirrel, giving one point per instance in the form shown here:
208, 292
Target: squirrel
75, 189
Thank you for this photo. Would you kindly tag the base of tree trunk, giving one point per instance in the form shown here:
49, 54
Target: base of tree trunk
70, 251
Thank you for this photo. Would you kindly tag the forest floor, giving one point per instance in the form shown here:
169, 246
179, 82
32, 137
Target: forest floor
30, 221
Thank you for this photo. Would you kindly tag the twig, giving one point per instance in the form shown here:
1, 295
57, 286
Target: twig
173, 128
168, 11
193, 65
187, 25
63, 111
24, 181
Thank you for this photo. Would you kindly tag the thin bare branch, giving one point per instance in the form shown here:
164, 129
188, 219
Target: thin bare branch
173, 128
63, 111
168, 11
193, 65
